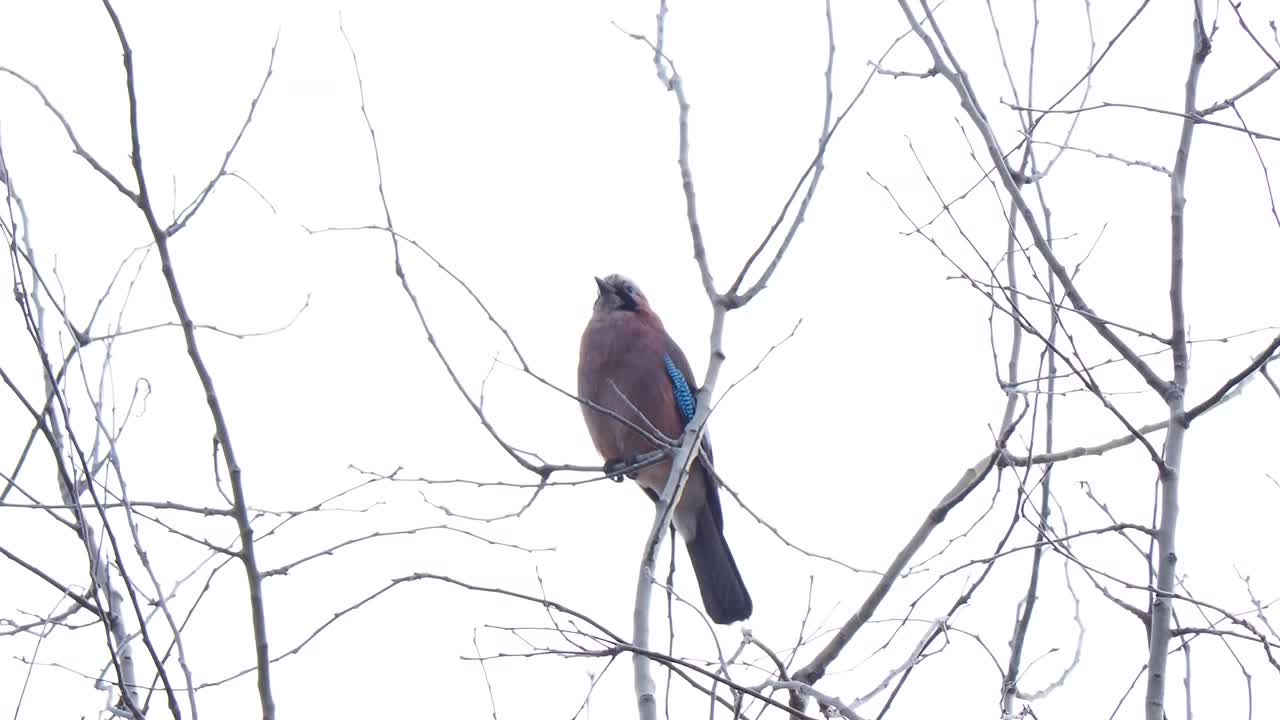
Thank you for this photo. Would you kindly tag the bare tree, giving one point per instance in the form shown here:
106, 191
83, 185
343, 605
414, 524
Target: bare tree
1041, 533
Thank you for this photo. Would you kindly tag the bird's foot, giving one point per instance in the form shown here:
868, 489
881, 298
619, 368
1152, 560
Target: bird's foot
613, 468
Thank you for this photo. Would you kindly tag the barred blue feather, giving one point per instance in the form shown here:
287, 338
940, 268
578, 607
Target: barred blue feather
680, 387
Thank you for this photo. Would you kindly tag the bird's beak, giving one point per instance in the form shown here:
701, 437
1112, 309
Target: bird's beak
604, 287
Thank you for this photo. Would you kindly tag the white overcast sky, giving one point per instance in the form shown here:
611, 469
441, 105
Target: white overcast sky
530, 146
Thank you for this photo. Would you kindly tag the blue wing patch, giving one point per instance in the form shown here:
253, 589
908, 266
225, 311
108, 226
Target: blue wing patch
680, 388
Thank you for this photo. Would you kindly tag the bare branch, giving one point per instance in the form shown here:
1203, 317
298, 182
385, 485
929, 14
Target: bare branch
1171, 470
1108, 156
969, 480
194, 206
75, 143
241, 506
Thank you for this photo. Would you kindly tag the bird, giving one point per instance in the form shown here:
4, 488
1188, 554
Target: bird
630, 366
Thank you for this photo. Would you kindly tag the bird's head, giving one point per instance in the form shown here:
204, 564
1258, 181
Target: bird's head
619, 294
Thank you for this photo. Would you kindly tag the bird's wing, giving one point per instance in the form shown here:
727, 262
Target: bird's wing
684, 390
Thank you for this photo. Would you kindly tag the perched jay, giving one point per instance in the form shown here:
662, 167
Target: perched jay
629, 365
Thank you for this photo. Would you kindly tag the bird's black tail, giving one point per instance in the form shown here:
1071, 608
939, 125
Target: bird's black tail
724, 595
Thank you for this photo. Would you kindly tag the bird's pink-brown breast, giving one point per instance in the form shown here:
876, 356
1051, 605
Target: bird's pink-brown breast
620, 368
